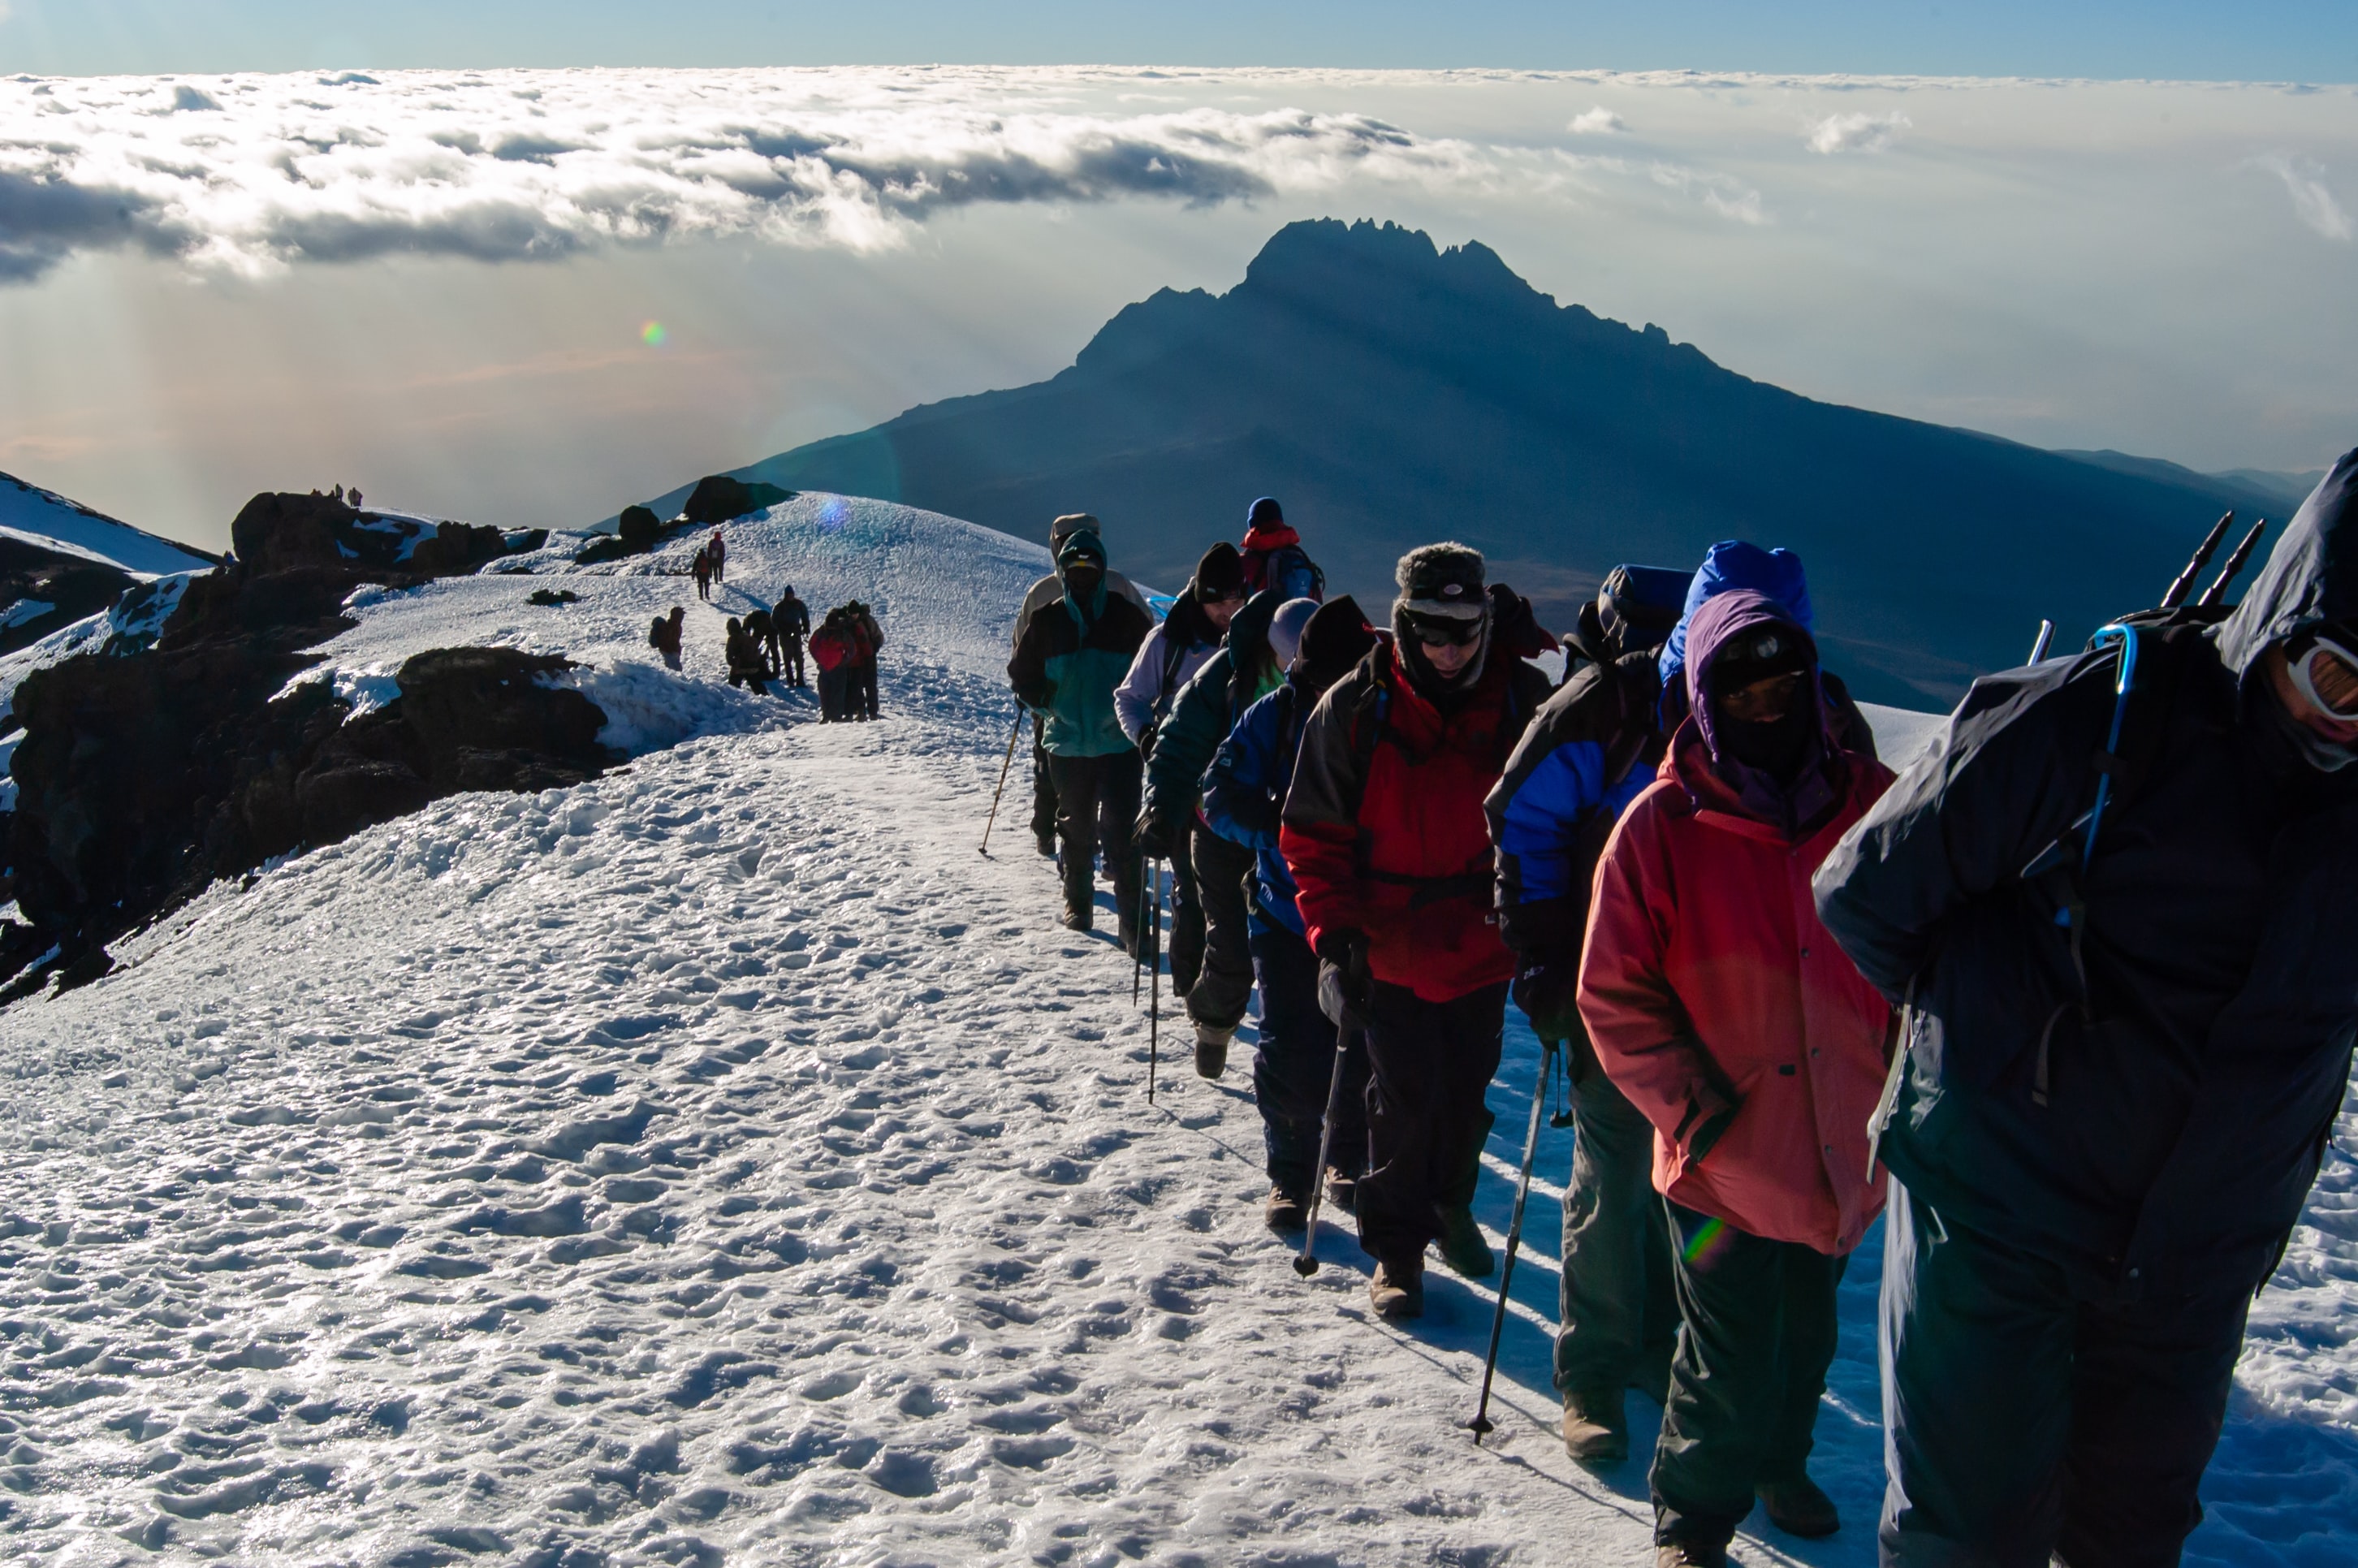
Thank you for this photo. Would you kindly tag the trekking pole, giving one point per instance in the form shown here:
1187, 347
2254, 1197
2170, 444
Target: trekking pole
2044, 641
2216, 594
1307, 1263
1004, 764
2184, 584
1154, 1003
1138, 956
1481, 1422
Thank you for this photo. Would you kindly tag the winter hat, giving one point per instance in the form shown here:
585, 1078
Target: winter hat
1082, 545
1070, 523
1776, 574
1285, 629
1265, 510
1334, 639
1442, 580
1219, 575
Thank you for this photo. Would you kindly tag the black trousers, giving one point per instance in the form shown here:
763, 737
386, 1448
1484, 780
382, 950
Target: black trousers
2023, 1421
790, 657
1044, 783
1620, 1311
1086, 789
1760, 1333
1223, 983
863, 688
1294, 1067
1429, 1065
835, 694
1185, 945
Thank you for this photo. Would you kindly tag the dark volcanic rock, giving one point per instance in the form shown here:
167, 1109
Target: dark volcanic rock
276, 532
142, 779
719, 497
42, 590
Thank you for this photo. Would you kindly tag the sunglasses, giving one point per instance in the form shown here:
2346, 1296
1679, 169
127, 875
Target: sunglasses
1442, 632
1762, 698
2327, 674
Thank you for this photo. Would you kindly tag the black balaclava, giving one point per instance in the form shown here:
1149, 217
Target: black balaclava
1778, 747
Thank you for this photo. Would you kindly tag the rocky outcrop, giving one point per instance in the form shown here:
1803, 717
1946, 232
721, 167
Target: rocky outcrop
718, 497
276, 532
143, 779
44, 591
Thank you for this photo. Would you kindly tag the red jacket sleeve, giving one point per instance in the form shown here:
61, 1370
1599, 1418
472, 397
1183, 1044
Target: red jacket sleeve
1319, 829
1643, 1036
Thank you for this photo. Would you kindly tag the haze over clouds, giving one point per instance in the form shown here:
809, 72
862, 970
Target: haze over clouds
435, 282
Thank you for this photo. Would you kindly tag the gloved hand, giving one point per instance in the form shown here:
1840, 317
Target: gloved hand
1157, 834
1547, 991
1344, 982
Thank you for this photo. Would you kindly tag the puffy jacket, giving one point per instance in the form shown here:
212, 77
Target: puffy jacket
791, 616
834, 646
1207, 707
1707, 986
1174, 652
2157, 1124
1245, 788
1590, 750
1383, 825
1072, 656
1734, 564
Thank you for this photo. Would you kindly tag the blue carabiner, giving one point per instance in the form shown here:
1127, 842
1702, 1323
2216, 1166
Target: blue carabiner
2127, 638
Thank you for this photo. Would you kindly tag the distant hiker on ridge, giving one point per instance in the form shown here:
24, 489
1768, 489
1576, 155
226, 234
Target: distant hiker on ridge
702, 567
1072, 655
2125, 1040
1384, 831
744, 656
1274, 555
832, 648
763, 636
789, 624
868, 641
1038, 597
717, 549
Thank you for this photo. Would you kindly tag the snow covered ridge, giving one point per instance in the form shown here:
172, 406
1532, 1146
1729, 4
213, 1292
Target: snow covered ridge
48, 520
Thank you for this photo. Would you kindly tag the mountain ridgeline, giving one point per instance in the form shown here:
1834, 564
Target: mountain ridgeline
1389, 394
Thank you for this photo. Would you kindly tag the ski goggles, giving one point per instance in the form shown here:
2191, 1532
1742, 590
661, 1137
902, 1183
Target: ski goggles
2326, 673
1771, 697
1445, 630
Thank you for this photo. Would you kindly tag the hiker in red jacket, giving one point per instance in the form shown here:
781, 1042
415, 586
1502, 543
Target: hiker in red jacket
1384, 831
1720, 1007
1274, 555
716, 551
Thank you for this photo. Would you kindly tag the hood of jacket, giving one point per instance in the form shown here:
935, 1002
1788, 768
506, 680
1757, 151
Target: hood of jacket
1730, 565
1719, 623
2311, 575
1249, 659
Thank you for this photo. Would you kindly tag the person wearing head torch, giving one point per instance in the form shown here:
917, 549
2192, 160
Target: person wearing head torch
2117, 899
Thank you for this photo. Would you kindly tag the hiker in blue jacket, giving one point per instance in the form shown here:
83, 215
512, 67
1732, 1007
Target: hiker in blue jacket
2127, 1030
1590, 749
1244, 790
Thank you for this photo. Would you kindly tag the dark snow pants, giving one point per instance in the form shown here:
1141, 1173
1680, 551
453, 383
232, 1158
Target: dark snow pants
1043, 784
790, 657
2023, 1421
835, 695
863, 688
1760, 1332
1186, 944
1620, 1313
1086, 788
1224, 979
1294, 1067
1429, 1065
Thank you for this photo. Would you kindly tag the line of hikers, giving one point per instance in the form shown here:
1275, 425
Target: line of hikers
2075, 996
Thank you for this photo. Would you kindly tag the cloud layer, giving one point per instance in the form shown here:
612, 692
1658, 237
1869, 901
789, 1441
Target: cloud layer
253, 173
1854, 133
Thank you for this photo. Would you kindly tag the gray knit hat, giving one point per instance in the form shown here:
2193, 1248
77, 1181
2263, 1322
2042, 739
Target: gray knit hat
1069, 523
1444, 580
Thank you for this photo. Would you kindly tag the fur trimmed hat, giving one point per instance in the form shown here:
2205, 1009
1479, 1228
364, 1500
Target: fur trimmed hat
1443, 579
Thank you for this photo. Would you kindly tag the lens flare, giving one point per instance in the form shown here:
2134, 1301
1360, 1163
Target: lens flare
653, 334
1706, 1236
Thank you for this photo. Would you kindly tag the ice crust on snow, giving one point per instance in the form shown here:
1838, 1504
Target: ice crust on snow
721, 1162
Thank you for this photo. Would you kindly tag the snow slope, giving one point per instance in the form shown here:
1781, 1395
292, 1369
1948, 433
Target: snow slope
42, 517
721, 1162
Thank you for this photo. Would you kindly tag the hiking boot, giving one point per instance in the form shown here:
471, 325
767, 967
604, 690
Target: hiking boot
1462, 1246
1342, 1191
1397, 1291
1212, 1050
1286, 1213
1596, 1428
1046, 839
1799, 1508
1079, 918
1689, 1555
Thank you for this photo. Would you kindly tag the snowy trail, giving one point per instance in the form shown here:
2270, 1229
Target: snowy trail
721, 1162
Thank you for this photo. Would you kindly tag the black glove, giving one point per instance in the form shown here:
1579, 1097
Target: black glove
1157, 834
1547, 991
1345, 983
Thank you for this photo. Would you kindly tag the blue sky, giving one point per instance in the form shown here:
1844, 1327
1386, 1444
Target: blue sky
2300, 40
